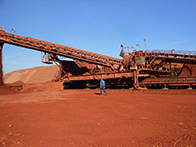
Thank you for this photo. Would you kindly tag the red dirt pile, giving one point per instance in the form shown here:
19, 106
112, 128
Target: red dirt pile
187, 70
28, 79
32, 75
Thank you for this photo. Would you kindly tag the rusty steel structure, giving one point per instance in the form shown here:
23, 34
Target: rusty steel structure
136, 69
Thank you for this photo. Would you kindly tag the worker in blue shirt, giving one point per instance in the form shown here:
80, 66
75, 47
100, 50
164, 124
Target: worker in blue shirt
102, 86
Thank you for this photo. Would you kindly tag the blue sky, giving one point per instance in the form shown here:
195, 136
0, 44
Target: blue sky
99, 26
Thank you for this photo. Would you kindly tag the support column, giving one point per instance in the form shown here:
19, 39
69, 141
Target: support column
136, 82
1, 64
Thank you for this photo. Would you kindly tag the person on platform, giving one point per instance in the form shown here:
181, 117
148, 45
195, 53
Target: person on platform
102, 86
96, 69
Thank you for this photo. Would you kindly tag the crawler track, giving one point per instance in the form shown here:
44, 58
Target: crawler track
169, 81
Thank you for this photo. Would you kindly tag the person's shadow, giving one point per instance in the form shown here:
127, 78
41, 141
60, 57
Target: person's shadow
97, 93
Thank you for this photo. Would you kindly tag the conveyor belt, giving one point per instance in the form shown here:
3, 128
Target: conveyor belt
58, 49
